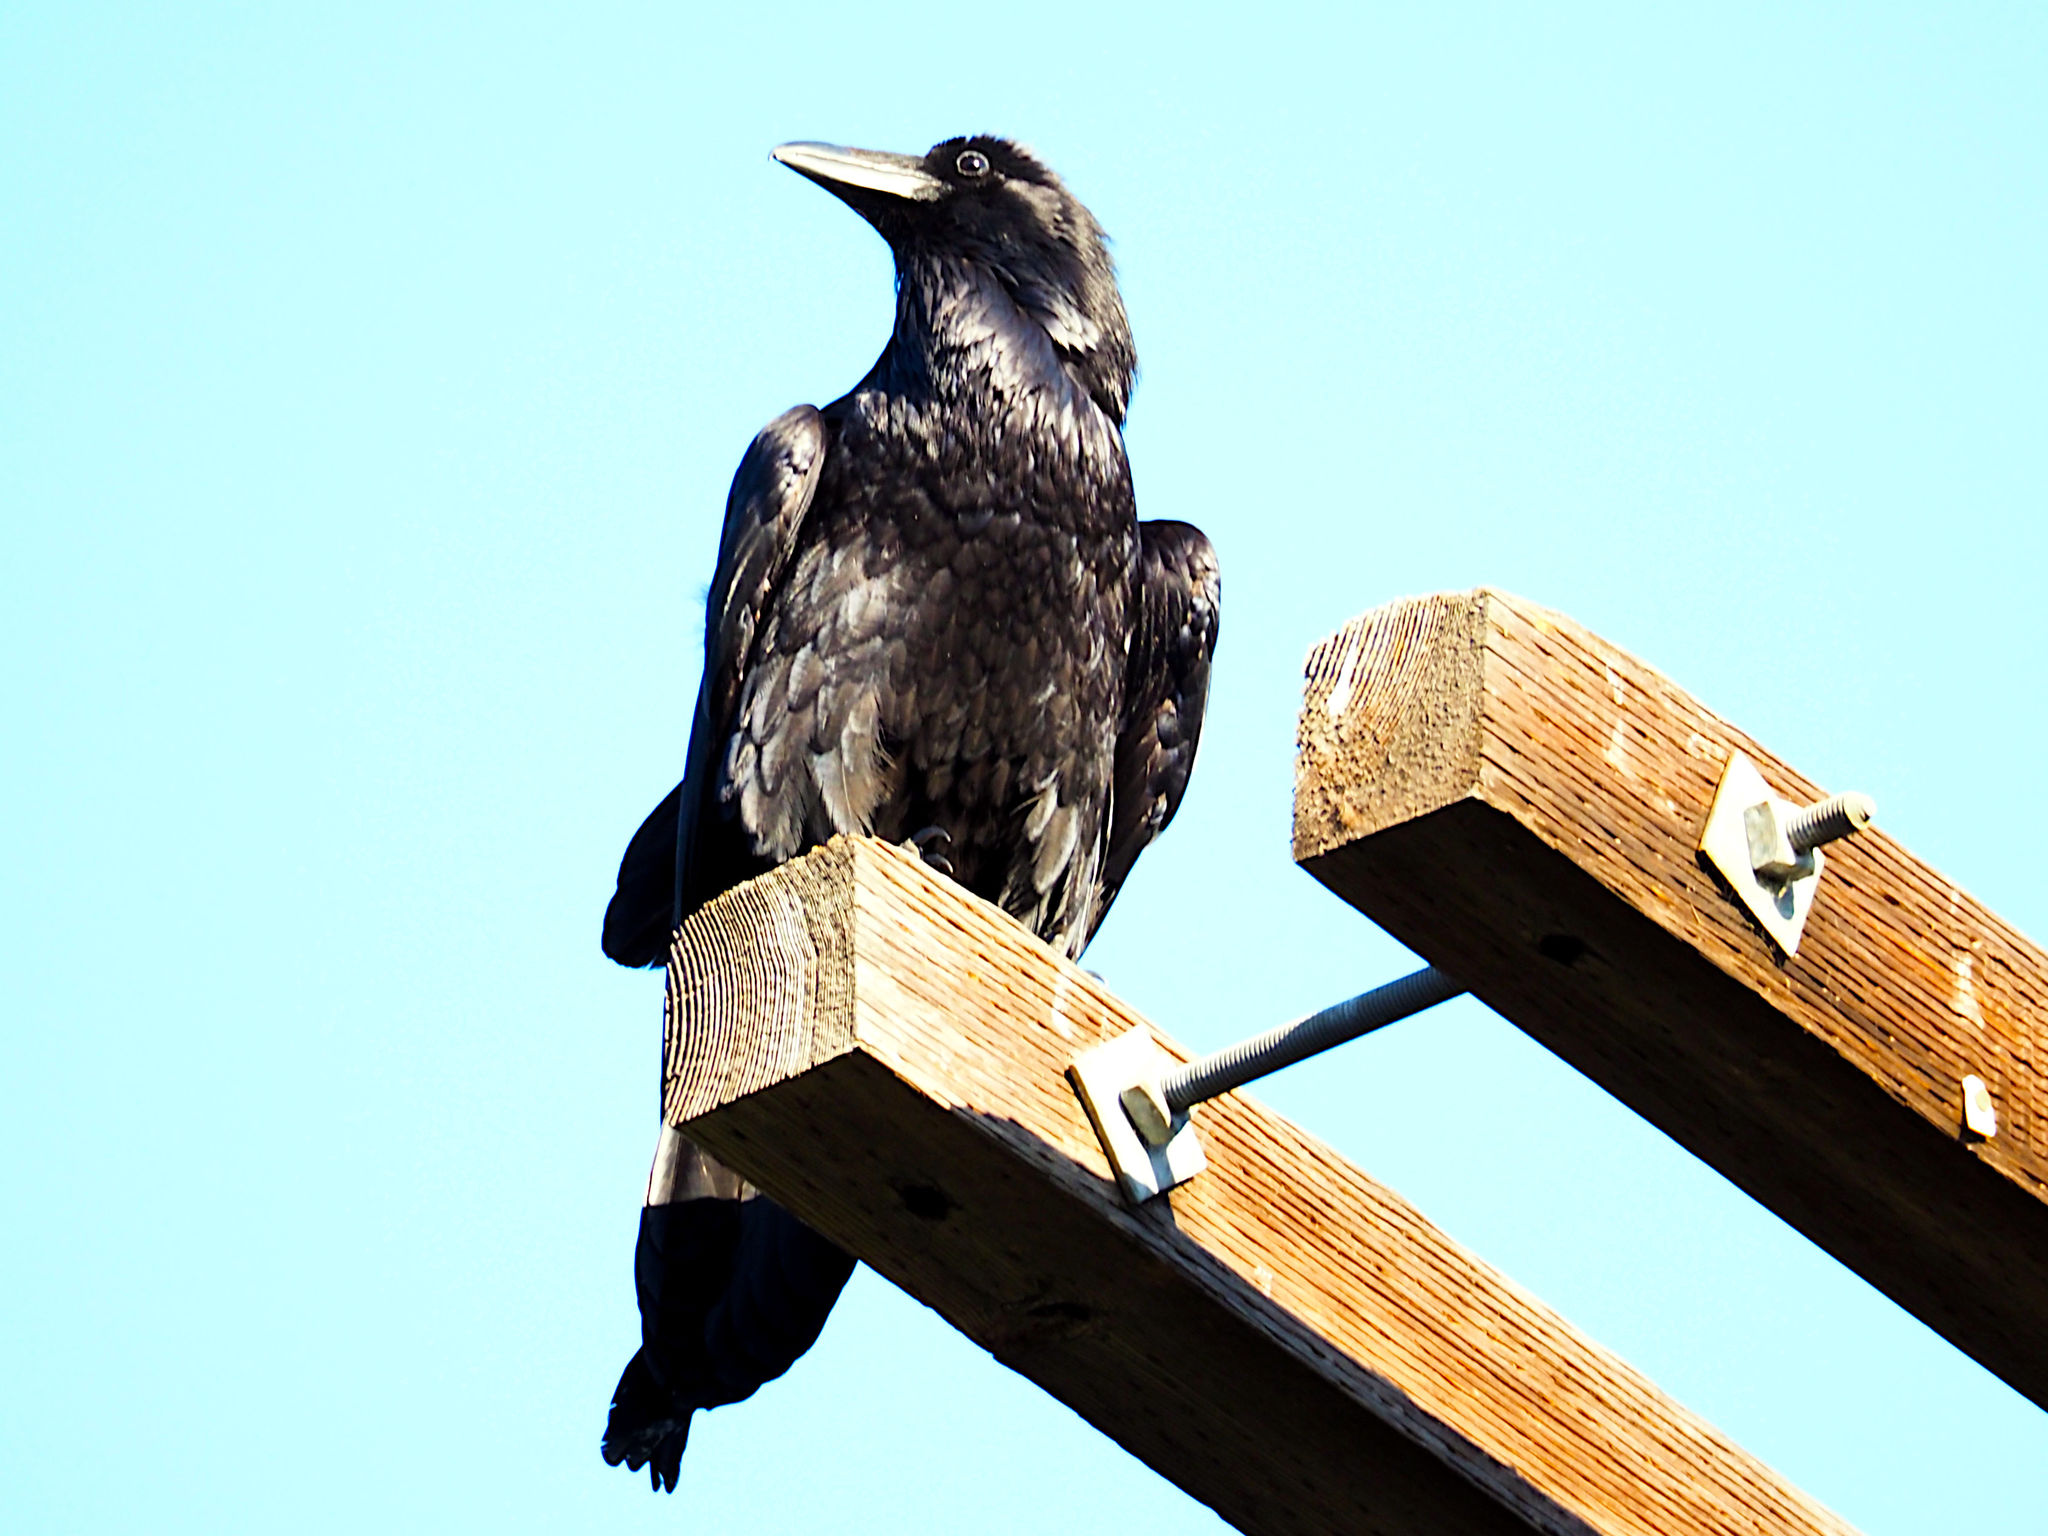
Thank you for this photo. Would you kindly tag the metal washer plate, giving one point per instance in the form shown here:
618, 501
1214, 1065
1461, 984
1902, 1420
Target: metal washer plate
1781, 909
1100, 1076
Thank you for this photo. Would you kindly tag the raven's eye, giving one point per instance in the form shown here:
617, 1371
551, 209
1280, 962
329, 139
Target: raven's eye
972, 162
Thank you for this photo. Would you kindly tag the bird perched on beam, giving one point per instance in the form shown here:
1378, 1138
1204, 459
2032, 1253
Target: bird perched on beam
936, 619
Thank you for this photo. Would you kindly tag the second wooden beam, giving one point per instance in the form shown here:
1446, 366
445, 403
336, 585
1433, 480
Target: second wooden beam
1521, 803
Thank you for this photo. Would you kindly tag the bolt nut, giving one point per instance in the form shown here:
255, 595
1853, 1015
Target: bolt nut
1771, 853
1144, 1104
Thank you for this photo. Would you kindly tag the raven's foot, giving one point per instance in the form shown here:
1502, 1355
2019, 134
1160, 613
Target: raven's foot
644, 1430
931, 845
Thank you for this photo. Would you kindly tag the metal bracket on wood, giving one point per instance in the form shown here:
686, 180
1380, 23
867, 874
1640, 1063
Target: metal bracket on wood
1768, 849
1138, 1097
1103, 1077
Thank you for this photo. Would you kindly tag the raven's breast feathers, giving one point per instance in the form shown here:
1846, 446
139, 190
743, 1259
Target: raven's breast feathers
946, 645
908, 631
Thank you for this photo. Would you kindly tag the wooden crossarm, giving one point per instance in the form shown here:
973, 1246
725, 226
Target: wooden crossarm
1520, 802
1282, 1337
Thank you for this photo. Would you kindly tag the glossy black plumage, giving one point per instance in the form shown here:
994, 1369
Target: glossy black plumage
934, 608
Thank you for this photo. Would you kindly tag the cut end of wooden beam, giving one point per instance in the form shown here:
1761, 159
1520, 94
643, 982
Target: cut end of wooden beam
1388, 724
760, 984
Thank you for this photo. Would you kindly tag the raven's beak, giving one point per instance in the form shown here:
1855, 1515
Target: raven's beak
840, 170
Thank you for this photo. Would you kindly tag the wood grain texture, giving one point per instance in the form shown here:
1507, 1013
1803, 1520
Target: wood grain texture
1282, 1337
1520, 803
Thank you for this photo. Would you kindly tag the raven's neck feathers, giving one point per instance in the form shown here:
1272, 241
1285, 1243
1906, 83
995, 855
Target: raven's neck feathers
1016, 316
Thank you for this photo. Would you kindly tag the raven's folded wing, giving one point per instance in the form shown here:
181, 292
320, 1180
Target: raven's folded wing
1176, 605
661, 878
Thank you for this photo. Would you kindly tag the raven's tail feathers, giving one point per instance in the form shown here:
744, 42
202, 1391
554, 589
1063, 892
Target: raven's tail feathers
731, 1292
785, 1278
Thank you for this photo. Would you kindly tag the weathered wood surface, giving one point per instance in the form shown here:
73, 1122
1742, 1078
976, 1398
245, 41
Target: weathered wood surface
1520, 802
1282, 1337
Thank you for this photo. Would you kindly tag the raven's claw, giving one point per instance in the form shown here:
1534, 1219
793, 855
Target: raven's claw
931, 845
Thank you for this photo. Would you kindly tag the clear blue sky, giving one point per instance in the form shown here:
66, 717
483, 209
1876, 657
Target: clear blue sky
370, 379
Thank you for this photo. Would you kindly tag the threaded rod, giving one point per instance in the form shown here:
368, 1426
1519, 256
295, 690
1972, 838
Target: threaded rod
1239, 1064
1837, 816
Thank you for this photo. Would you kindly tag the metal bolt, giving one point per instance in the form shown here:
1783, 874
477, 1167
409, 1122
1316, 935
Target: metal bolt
1781, 842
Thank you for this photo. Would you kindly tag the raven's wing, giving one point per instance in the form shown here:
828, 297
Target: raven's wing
732, 1288
1177, 604
662, 876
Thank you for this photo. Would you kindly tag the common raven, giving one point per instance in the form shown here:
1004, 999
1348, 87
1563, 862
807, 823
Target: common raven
935, 618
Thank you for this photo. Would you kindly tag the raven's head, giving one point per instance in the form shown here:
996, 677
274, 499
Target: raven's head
990, 202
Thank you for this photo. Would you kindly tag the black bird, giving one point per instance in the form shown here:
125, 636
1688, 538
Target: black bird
935, 618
